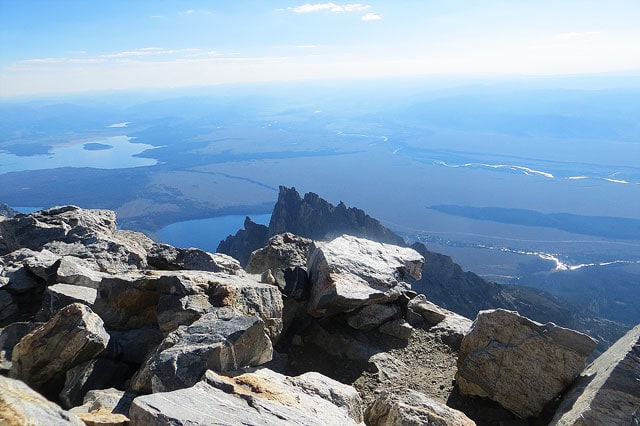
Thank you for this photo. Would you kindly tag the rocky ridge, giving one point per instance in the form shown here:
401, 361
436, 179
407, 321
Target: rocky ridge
321, 332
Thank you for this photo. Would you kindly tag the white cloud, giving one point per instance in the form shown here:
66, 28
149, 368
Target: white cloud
333, 7
572, 35
145, 51
196, 12
371, 17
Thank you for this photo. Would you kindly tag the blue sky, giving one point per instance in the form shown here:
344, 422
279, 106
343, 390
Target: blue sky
67, 46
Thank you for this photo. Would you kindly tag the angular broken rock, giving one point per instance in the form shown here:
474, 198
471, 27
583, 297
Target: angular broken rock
430, 312
108, 407
70, 230
169, 299
351, 272
519, 363
402, 407
283, 252
166, 257
259, 398
397, 328
608, 391
79, 272
21, 405
74, 335
372, 316
58, 296
223, 340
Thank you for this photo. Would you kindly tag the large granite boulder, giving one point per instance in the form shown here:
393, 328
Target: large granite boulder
169, 299
608, 391
20, 405
259, 398
406, 407
166, 257
282, 252
351, 272
70, 230
223, 340
519, 363
79, 272
56, 297
74, 335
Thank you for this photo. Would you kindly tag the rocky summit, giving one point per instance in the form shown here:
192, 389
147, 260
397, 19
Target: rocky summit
105, 326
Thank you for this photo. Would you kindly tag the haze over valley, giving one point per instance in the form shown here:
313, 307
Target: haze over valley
521, 182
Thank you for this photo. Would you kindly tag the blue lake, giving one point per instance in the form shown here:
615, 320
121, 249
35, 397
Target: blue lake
206, 234
114, 152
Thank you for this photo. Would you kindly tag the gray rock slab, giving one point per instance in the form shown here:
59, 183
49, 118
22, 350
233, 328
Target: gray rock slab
111, 400
58, 296
41, 358
79, 272
608, 391
398, 328
168, 299
351, 272
259, 398
406, 407
224, 340
430, 312
519, 363
166, 257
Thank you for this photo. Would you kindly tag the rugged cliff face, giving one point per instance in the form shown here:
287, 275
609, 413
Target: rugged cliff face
310, 217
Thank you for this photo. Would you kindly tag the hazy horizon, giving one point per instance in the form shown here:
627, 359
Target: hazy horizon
76, 46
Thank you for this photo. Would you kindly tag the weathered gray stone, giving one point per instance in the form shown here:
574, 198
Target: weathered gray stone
58, 296
397, 328
94, 374
170, 299
74, 335
430, 312
388, 367
133, 346
372, 316
284, 254
166, 257
608, 391
452, 329
519, 363
259, 398
37, 265
224, 340
21, 405
406, 407
79, 272
110, 400
351, 272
